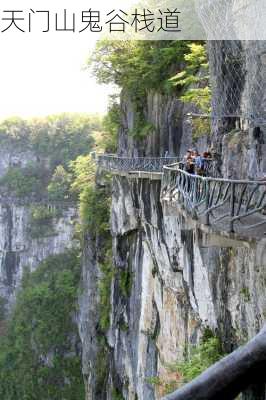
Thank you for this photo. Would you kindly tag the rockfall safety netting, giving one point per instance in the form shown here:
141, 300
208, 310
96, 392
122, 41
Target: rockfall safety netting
237, 67
238, 79
232, 19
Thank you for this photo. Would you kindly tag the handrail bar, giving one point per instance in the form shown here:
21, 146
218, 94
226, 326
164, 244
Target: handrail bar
208, 178
223, 201
128, 164
136, 158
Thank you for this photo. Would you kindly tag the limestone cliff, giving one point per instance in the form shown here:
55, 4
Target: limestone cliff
20, 246
184, 279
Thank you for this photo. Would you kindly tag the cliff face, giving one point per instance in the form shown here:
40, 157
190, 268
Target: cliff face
171, 127
20, 246
18, 249
184, 279
89, 318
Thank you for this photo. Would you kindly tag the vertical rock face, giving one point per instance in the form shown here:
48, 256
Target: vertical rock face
88, 318
20, 248
180, 286
180, 281
171, 129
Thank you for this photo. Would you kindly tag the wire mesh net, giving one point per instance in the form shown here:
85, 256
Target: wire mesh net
237, 67
237, 78
232, 19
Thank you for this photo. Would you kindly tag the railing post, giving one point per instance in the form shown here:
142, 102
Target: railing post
207, 201
232, 206
195, 191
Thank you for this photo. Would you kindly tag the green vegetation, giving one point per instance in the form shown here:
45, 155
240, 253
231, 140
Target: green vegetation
101, 366
55, 141
245, 294
195, 78
60, 137
41, 220
22, 182
105, 292
94, 202
59, 186
138, 67
141, 127
125, 282
166, 66
2, 308
94, 207
200, 358
117, 395
38, 356
207, 353
111, 125
94, 210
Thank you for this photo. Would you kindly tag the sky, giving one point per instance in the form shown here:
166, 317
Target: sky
42, 74
47, 78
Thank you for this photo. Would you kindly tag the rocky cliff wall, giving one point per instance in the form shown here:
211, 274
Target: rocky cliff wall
182, 278
181, 285
170, 127
20, 250
21, 246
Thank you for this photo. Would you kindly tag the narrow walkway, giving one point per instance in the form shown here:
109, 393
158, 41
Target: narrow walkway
113, 163
235, 206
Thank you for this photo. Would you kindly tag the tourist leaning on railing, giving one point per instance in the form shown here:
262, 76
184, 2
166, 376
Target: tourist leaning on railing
195, 163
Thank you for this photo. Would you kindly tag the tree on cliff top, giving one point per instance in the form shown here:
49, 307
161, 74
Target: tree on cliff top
137, 65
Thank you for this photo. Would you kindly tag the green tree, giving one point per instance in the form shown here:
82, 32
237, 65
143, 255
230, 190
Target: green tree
136, 65
55, 141
94, 202
59, 186
111, 124
39, 357
26, 181
194, 78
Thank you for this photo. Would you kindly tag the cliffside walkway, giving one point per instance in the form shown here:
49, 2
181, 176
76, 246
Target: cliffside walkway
236, 206
139, 167
228, 205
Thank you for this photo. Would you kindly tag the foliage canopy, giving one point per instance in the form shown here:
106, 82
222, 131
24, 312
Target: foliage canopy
137, 66
39, 356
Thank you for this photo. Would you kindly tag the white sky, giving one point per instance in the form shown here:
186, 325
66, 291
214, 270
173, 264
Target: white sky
44, 78
42, 74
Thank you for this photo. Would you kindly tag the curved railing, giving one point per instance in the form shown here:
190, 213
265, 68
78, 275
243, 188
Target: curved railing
111, 162
234, 205
230, 205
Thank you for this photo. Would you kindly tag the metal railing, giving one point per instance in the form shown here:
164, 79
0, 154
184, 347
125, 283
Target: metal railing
113, 163
209, 167
231, 205
234, 205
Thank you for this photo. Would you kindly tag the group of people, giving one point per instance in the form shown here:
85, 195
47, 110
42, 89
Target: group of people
195, 163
